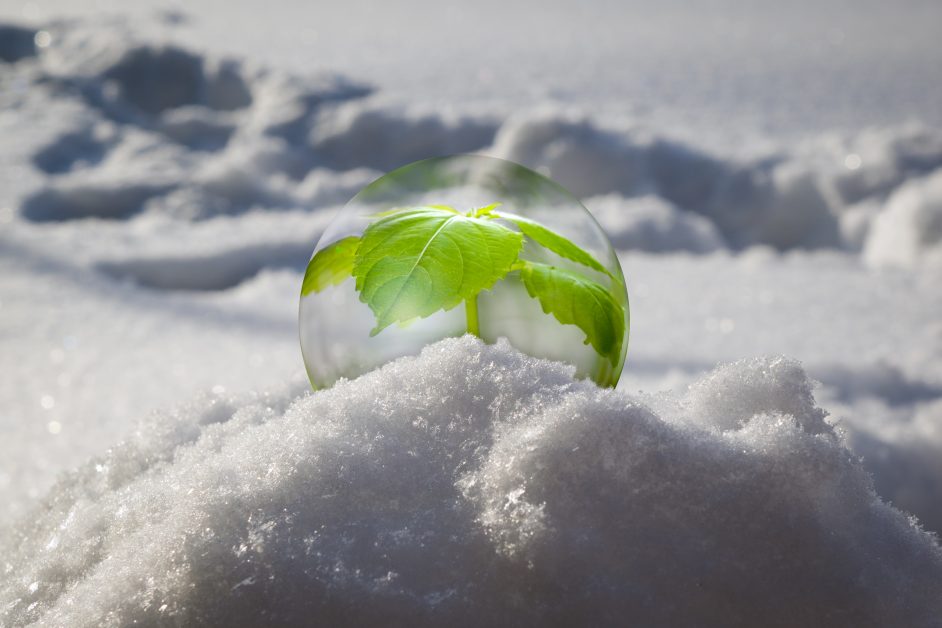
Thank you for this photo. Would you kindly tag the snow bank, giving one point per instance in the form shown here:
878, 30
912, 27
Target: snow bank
472, 485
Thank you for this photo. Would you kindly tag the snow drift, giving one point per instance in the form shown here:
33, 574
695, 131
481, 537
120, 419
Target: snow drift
144, 127
796, 198
472, 485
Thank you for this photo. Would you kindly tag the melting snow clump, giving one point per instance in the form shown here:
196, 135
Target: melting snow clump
473, 485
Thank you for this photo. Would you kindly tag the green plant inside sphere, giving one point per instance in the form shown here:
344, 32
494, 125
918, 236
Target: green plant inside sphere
528, 263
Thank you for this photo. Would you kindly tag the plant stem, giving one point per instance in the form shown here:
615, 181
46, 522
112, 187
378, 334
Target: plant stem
471, 313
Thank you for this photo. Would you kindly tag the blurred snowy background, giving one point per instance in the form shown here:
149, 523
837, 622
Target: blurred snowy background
771, 174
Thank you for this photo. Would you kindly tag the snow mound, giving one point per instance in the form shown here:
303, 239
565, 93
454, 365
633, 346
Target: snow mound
139, 127
649, 223
904, 458
473, 485
359, 134
793, 198
909, 232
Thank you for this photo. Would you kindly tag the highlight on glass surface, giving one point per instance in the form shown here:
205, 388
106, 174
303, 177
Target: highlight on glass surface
458, 245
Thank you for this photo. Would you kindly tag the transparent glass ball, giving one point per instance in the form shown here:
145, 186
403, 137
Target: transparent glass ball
335, 324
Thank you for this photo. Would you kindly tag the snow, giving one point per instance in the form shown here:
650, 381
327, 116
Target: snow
164, 178
475, 482
724, 65
909, 232
650, 223
786, 199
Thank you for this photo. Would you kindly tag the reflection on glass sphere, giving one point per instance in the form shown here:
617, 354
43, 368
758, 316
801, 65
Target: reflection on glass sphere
463, 244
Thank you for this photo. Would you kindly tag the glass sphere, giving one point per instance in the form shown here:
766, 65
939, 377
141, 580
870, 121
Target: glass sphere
556, 313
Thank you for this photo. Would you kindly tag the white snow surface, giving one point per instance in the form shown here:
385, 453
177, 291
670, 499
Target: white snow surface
474, 485
163, 180
909, 232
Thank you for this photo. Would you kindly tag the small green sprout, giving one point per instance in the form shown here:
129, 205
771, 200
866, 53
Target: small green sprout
412, 262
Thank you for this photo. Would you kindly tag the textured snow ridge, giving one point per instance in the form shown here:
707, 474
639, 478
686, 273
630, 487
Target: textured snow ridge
472, 485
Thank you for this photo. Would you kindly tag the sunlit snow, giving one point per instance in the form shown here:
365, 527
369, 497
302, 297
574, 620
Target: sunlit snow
770, 175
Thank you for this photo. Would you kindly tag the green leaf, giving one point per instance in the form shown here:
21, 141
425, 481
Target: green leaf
553, 241
576, 300
421, 260
330, 266
483, 211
